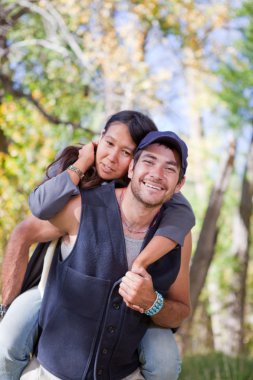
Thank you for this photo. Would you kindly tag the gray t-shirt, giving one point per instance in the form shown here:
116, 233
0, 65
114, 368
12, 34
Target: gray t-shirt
51, 196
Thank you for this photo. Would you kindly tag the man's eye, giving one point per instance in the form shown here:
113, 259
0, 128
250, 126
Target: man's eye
109, 143
148, 162
171, 169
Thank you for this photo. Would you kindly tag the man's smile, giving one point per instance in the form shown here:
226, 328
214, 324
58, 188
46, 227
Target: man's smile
152, 185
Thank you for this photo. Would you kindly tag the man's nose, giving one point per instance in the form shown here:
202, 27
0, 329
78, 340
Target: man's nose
157, 172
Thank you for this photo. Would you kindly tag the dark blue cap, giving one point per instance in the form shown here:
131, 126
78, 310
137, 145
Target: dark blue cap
166, 137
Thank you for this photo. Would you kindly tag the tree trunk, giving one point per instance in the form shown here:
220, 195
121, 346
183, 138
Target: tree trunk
208, 234
3, 142
236, 299
206, 243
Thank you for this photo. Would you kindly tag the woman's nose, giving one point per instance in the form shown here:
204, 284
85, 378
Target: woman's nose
113, 156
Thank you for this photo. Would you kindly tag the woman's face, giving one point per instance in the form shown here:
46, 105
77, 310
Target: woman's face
114, 152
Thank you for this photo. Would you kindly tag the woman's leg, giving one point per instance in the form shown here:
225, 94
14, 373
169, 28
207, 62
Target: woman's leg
18, 334
159, 355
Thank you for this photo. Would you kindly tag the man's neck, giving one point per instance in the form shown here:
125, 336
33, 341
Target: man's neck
136, 216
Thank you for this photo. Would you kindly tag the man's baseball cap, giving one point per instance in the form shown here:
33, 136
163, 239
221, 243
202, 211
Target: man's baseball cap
166, 137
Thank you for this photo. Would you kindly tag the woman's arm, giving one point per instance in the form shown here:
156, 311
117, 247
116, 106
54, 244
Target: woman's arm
177, 219
29, 231
67, 221
52, 195
156, 248
176, 222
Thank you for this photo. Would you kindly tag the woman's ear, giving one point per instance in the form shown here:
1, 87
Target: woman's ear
131, 169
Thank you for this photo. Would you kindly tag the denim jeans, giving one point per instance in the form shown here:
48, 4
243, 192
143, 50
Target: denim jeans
159, 355
18, 334
158, 351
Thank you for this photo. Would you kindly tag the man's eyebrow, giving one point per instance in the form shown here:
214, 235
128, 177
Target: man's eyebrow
172, 163
151, 156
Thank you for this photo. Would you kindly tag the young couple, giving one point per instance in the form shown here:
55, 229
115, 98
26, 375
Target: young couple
86, 330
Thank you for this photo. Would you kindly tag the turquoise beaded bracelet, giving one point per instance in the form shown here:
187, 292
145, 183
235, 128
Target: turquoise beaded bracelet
157, 305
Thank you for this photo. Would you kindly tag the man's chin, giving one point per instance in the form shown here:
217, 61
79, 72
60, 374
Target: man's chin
151, 202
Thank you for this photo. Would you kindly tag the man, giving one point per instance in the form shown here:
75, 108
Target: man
102, 339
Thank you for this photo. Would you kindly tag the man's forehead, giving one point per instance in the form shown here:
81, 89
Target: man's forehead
160, 152
157, 149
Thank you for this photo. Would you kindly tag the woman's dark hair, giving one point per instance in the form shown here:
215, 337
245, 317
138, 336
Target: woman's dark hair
138, 125
67, 157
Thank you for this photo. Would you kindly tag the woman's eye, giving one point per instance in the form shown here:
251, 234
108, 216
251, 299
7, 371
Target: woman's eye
109, 143
127, 153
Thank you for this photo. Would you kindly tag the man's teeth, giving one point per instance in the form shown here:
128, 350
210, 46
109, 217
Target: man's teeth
152, 186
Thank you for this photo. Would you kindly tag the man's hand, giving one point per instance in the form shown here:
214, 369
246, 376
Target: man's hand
137, 290
138, 293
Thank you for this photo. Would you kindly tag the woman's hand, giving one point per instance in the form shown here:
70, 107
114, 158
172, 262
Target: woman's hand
86, 156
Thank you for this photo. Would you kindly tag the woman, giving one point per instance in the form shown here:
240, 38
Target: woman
120, 137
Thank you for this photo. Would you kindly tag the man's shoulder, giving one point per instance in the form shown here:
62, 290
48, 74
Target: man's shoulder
179, 198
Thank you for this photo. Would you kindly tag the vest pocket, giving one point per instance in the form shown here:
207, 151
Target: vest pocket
84, 295
69, 335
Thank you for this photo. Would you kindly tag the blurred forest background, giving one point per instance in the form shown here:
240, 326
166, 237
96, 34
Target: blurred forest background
67, 65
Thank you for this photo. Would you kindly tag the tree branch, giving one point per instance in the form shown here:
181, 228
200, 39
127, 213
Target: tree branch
40, 42
55, 20
8, 85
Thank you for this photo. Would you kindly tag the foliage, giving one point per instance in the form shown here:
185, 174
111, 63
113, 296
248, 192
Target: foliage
236, 92
21, 168
236, 73
216, 366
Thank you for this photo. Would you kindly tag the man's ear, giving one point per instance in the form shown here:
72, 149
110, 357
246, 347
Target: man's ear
180, 185
131, 169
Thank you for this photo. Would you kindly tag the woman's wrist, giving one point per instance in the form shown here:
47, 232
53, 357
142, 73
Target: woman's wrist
74, 176
77, 170
142, 261
82, 164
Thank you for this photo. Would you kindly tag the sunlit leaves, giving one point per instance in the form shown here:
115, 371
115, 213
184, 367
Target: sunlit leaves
236, 74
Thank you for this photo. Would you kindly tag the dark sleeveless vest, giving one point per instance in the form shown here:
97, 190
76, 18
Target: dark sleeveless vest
87, 332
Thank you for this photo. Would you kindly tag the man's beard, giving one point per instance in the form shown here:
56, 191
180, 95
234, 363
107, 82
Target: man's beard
136, 191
